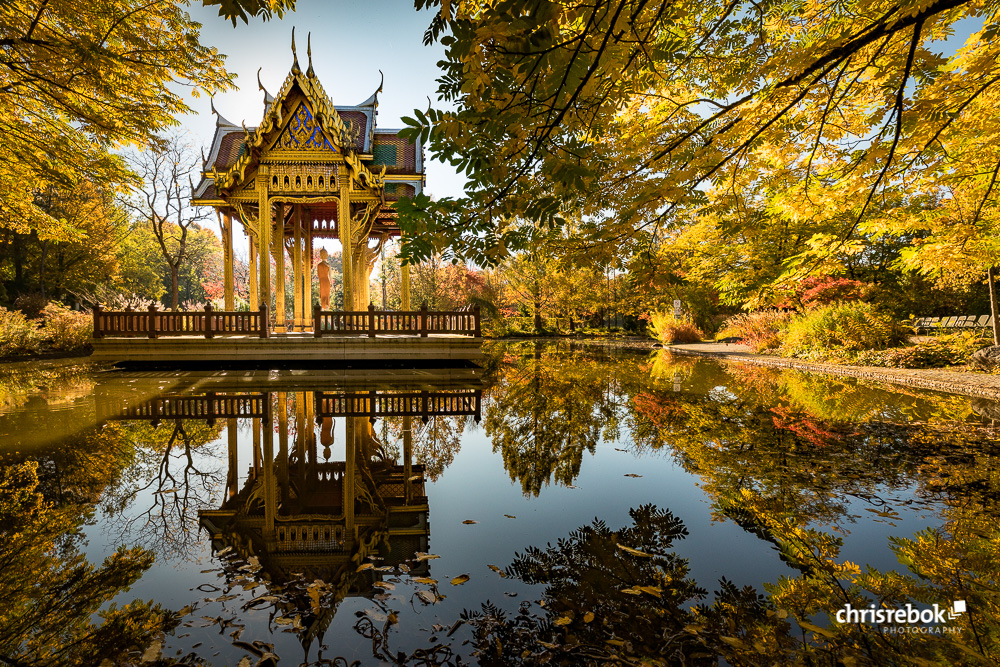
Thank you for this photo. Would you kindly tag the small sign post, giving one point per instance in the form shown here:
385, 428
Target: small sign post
677, 308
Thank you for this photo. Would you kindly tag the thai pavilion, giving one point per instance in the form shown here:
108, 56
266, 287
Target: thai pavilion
309, 170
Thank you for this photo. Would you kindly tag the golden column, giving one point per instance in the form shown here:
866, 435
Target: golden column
307, 269
254, 301
279, 273
297, 266
264, 235
227, 260
346, 237
404, 289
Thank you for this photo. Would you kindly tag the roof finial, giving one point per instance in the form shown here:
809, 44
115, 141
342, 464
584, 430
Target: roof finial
295, 56
309, 54
381, 81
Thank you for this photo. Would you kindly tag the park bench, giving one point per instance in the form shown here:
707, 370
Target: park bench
959, 322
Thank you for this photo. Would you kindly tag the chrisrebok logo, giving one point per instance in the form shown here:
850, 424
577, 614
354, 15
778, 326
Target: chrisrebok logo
908, 619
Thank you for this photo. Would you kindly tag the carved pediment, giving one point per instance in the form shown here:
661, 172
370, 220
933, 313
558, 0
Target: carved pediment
303, 133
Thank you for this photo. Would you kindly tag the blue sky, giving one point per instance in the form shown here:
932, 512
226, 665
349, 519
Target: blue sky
351, 42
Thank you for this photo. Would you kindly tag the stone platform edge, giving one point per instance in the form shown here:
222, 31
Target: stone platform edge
918, 378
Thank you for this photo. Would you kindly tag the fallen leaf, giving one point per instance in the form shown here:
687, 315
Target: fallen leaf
563, 620
632, 474
497, 570
459, 580
588, 617
469, 521
632, 591
634, 552
510, 516
423, 580
384, 584
427, 596
421, 556
364, 566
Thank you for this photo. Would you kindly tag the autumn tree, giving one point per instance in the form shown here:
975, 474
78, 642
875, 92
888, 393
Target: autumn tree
164, 202
629, 113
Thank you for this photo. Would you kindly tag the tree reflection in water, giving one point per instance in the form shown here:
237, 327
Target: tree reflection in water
797, 460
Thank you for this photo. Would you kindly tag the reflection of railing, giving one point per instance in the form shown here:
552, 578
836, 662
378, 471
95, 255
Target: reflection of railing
211, 406
422, 404
154, 323
373, 322
296, 534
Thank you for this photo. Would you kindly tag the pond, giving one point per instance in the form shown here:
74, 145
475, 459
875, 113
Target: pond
566, 503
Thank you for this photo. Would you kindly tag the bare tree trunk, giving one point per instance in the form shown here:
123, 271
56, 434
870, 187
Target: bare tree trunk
174, 271
991, 278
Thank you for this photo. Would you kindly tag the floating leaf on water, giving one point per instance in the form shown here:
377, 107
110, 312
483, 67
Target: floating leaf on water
588, 617
416, 478
619, 449
423, 580
548, 645
393, 619
245, 662
563, 620
403, 567
510, 595
283, 620
421, 556
385, 568
384, 584
223, 598
153, 652
469, 521
652, 590
497, 570
634, 552
632, 474
430, 597
510, 516
364, 566
632, 591
169, 491
209, 588
459, 580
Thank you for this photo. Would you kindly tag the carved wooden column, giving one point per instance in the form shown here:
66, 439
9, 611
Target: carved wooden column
404, 288
279, 271
227, 260
346, 238
307, 269
297, 267
254, 301
264, 235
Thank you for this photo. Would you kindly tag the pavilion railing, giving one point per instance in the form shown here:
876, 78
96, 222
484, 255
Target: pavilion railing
154, 323
424, 404
373, 322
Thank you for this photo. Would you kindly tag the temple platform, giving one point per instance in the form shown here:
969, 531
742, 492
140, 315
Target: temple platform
301, 348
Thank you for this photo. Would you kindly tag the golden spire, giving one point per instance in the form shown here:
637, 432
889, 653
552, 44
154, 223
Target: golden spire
309, 54
295, 56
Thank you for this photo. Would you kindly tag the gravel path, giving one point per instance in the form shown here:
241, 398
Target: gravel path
950, 381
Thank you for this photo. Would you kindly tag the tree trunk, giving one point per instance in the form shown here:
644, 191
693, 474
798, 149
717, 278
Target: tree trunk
174, 270
41, 269
991, 278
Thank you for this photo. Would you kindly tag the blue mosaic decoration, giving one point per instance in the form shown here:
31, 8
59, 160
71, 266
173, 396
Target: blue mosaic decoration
303, 133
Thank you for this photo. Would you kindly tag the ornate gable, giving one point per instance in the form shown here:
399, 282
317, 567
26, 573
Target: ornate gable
303, 133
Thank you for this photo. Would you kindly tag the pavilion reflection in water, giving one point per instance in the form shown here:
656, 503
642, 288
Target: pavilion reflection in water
300, 515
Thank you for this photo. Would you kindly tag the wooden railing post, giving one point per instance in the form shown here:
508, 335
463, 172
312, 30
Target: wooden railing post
151, 321
98, 323
423, 320
317, 321
209, 321
476, 314
371, 320
265, 324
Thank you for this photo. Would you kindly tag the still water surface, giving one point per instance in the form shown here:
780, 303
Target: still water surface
565, 504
